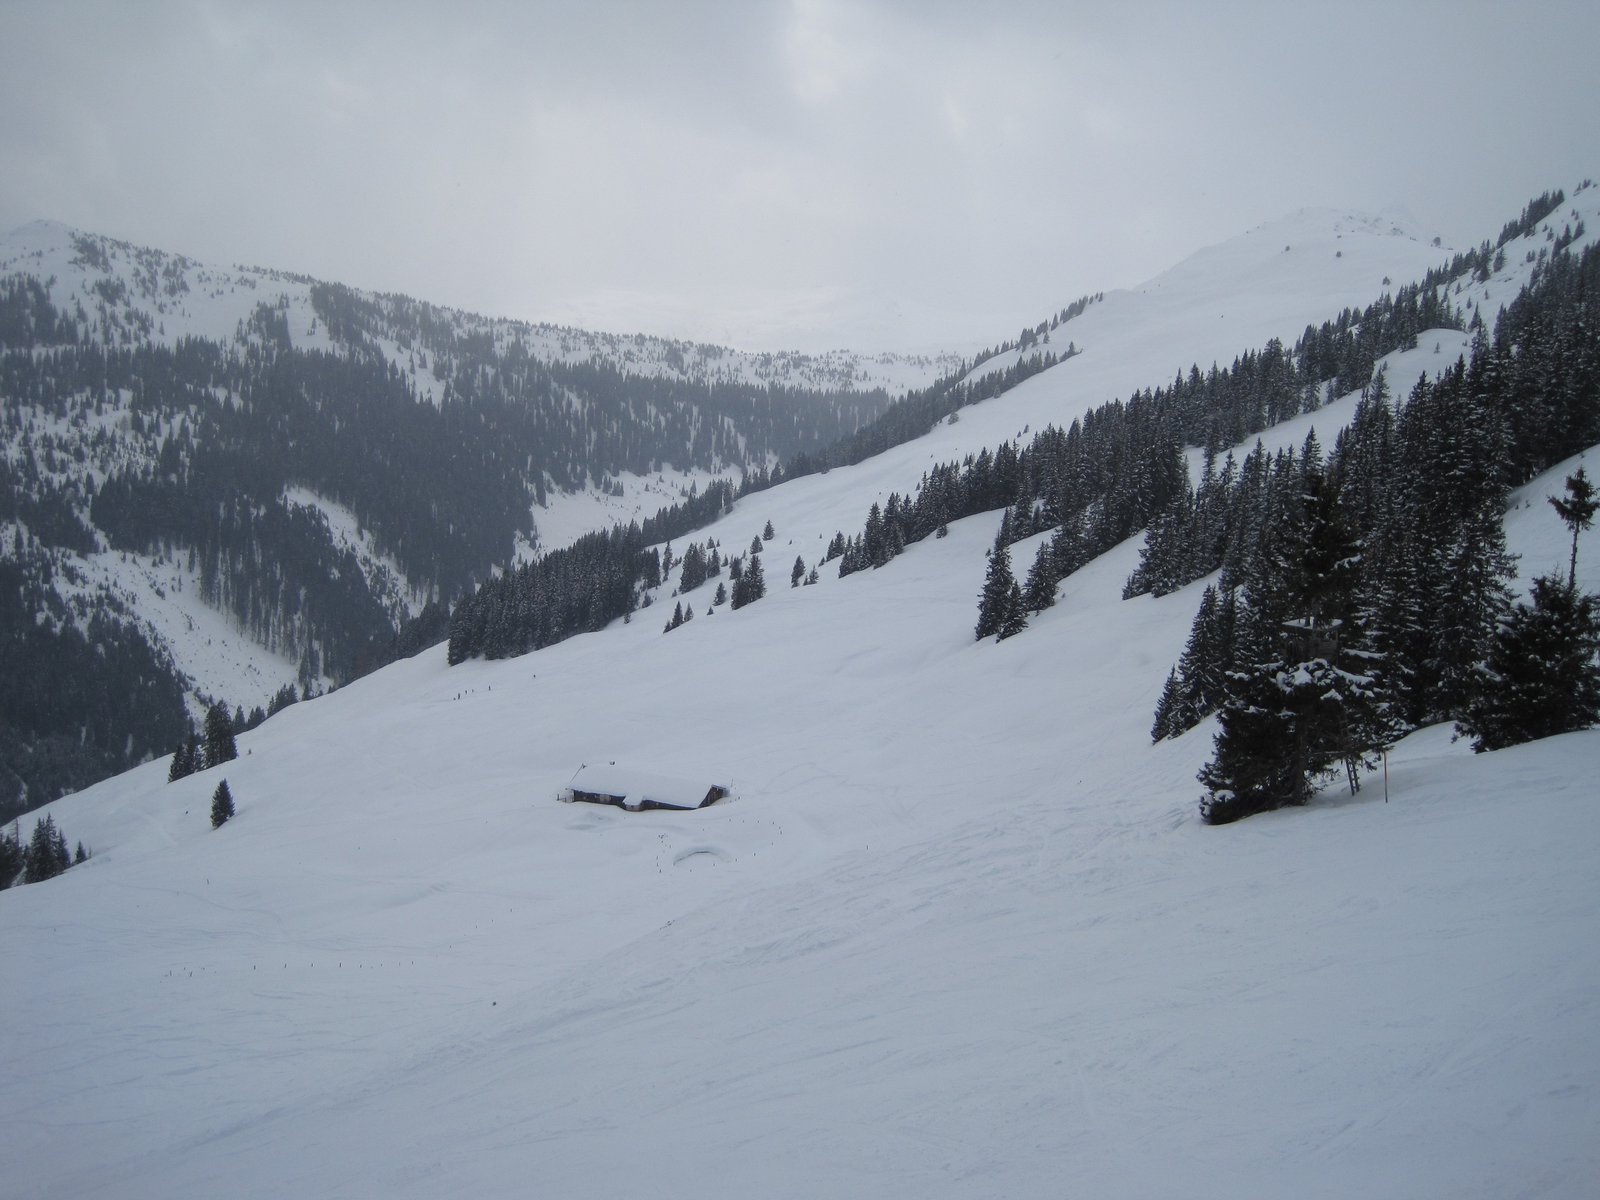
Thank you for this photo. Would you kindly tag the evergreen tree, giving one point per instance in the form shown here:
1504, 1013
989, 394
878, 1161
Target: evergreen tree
1165, 562
767, 534
183, 763
1400, 618
1166, 722
751, 584
1576, 509
874, 538
1469, 600
1306, 703
46, 855
798, 572
694, 568
1040, 591
1207, 660
1016, 616
219, 745
221, 805
721, 596
58, 850
1006, 535
12, 857
1543, 673
994, 603
286, 695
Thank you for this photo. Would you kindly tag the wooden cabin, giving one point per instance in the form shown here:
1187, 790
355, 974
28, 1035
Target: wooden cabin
606, 783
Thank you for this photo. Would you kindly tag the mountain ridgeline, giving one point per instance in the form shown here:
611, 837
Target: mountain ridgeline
1095, 483
1362, 592
338, 465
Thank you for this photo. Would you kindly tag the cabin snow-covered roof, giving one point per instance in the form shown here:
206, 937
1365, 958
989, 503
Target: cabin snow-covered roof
633, 789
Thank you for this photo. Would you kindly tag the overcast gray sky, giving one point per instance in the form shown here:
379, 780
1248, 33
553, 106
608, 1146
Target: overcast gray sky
777, 172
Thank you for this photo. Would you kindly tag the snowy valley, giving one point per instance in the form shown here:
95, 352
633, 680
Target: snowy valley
241, 485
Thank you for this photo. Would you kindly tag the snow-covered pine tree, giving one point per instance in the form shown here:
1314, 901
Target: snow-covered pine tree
1576, 509
1016, 615
219, 744
1168, 543
46, 855
1471, 598
875, 539
1208, 657
221, 805
183, 763
1165, 724
694, 568
12, 857
1306, 702
1543, 676
1039, 593
995, 599
755, 580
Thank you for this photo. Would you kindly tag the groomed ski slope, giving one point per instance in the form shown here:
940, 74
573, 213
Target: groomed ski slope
959, 934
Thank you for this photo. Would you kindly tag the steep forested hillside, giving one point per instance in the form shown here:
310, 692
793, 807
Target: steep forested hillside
1123, 466
314, 466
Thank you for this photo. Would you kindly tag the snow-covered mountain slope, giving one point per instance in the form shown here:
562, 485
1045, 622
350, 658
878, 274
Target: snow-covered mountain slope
125, 295
312, 416
959, 933
1140, 338
135, 291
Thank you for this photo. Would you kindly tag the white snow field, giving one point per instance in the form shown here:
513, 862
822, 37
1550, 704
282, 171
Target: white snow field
959, 934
